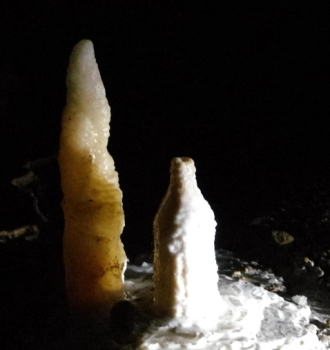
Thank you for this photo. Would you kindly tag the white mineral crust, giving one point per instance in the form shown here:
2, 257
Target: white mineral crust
252, 319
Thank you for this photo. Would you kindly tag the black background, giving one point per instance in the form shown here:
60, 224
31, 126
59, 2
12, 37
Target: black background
240, 87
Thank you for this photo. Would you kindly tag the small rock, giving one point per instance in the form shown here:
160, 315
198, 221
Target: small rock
282, 237
308, 262
126, 322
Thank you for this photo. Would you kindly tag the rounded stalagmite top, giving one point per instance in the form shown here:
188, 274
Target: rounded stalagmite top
182, 170
83, 80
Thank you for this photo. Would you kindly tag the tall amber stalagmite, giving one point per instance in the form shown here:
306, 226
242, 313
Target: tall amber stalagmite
94, 257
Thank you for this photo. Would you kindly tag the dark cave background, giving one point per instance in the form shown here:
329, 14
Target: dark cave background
240, 87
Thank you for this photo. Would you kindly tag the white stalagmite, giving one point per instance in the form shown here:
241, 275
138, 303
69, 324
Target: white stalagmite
94, 258
185, 269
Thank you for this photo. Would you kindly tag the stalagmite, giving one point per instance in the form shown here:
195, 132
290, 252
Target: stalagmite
94, 257
185, 269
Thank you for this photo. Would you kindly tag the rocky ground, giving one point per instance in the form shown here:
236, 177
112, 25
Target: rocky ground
289, 239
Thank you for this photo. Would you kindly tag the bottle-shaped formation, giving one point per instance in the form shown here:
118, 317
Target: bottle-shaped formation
185, 268
94, 258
